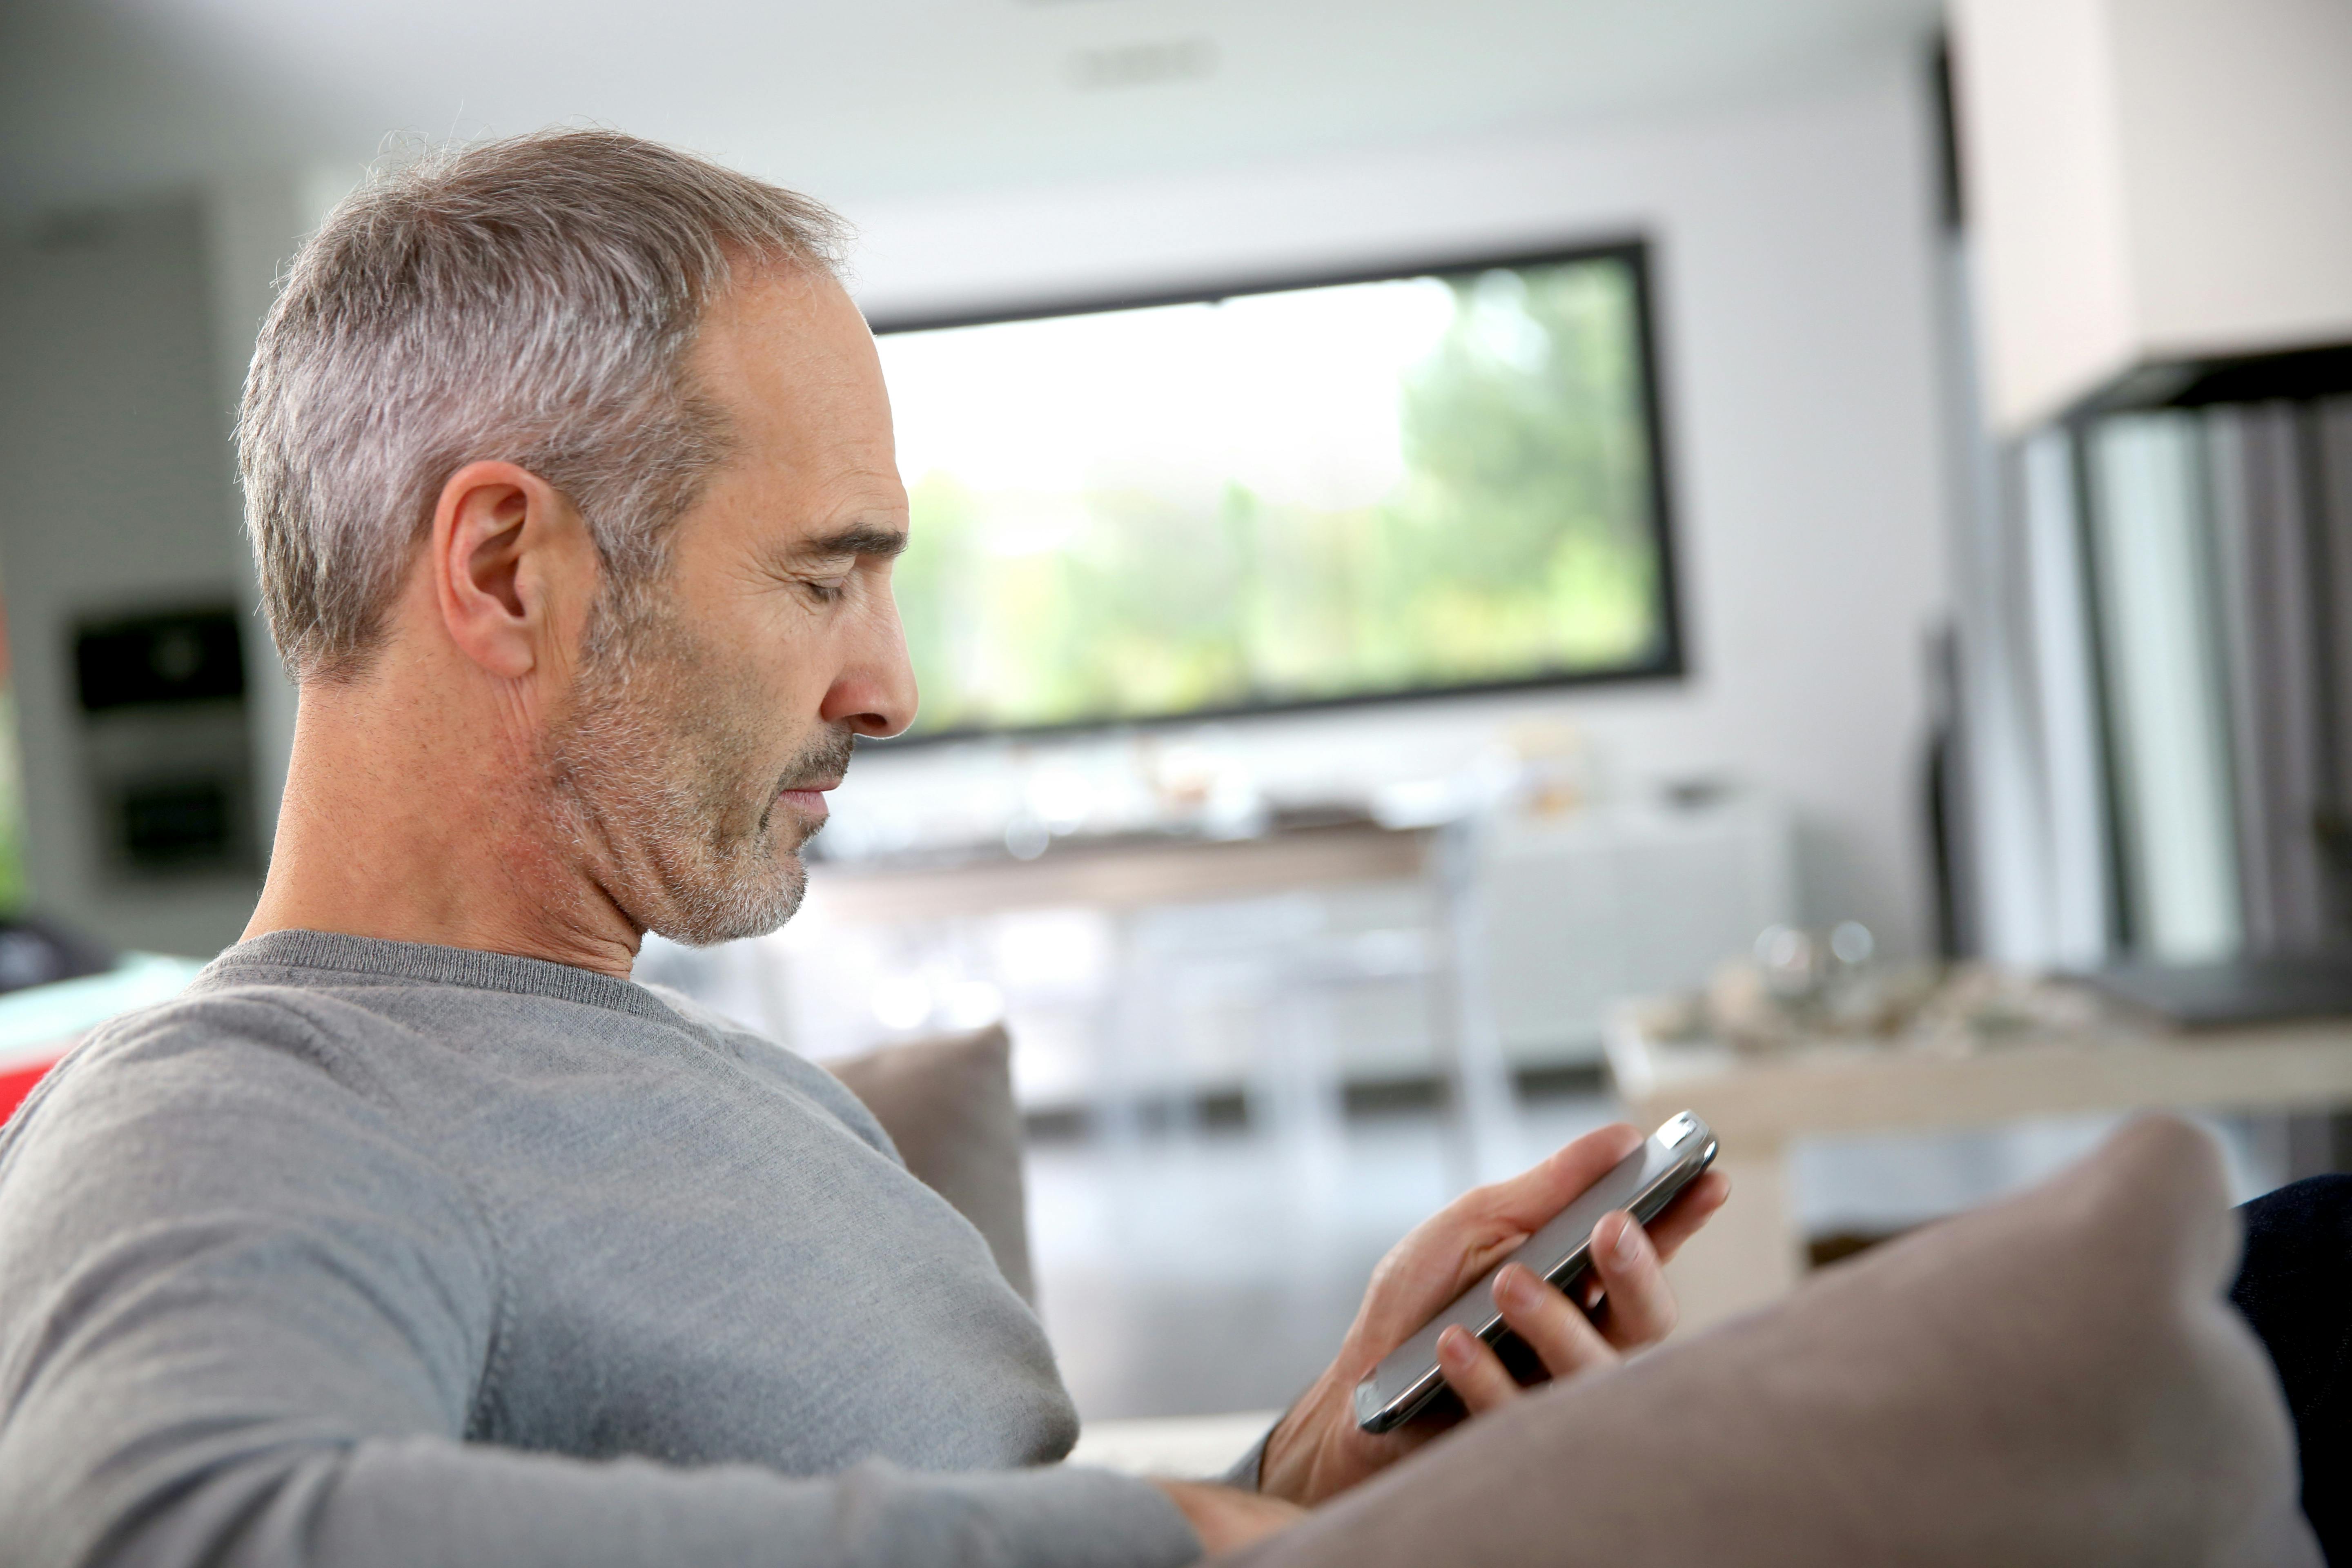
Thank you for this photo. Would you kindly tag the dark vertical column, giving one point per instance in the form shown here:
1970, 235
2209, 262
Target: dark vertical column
2239, 558
2328, 520
1949, 812
2275, 646
2121, 921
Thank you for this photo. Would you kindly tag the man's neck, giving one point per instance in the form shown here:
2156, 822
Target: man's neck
389, 828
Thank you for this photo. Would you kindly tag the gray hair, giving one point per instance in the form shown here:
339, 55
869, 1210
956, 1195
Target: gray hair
531, 301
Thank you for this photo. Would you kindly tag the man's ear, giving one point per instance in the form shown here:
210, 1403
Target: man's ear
514, 569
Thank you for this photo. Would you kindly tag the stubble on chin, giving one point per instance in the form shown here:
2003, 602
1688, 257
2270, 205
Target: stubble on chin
657, 771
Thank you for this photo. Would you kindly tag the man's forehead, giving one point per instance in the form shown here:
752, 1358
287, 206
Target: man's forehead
783, 325
790, 361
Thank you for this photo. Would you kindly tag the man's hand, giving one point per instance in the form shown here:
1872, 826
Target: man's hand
1318, 1450
1225, 1517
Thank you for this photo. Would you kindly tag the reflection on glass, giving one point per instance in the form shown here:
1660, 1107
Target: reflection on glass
1331, 492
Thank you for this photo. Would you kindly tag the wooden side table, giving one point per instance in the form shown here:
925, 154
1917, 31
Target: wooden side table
1758, 1104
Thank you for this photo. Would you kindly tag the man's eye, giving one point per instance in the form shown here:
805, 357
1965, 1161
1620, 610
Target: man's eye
825, 590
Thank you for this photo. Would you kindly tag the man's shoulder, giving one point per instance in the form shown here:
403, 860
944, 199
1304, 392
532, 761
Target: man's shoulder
237, 1101
223, 1134
246, 1020
215, 1052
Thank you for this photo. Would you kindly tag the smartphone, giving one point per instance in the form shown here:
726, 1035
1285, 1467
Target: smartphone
1642, 1183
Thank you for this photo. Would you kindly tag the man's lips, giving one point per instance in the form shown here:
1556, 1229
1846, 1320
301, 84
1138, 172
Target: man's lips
809, 799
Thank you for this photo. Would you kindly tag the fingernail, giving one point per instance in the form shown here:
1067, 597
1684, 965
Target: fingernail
1629, 1241
1454, 1344
1511, 1284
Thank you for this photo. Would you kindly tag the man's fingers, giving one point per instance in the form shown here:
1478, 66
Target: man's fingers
1473, 1372
1559, 1333
1642, 1309
1535, 1195
1692, 1208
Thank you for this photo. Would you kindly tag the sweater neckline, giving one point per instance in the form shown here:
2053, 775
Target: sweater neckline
380, 958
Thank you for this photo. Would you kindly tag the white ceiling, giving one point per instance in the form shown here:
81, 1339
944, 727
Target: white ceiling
863, 98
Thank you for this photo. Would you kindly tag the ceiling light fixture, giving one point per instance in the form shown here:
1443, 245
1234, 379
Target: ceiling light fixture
1144, 64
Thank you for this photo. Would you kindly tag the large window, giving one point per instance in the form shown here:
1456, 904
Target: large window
1440, 481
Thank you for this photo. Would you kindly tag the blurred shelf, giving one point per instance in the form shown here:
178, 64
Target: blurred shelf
1127, 871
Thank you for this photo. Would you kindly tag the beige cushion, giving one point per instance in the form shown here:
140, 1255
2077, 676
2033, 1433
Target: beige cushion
2054, 1379
947, 1104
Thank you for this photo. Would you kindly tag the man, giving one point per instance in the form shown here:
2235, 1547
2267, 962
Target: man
415, 1232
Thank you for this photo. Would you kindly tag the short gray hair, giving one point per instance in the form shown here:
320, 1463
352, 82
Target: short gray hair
531, 301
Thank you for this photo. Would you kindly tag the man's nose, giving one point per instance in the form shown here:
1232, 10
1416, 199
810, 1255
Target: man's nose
875, 692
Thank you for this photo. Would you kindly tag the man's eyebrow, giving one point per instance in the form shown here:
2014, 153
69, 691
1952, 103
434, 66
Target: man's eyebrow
858, 539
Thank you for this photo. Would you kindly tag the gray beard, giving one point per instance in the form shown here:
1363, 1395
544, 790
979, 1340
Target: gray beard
656, 771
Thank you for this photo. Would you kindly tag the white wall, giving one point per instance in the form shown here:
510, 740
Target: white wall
124, 337
1793, 249
2151, 180
115, 495
2043, 166
2237, 123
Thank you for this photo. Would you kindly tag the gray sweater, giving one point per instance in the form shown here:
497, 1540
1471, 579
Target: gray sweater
362, 1252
